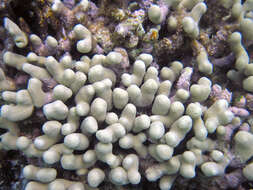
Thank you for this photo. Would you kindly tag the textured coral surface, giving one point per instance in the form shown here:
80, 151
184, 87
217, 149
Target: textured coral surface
119, 94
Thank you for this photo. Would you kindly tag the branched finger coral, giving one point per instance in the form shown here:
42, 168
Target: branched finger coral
95, 101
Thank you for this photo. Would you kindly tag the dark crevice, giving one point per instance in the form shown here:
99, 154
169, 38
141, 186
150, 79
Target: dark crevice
2, 131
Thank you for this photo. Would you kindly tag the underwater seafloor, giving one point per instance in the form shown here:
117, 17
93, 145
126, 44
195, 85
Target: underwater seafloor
129, 28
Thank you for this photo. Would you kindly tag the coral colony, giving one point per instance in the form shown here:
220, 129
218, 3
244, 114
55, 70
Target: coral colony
144, 99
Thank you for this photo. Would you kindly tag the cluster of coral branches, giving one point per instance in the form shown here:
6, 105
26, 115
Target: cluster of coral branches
127, 95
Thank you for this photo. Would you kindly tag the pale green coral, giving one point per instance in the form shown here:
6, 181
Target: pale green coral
94, 103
